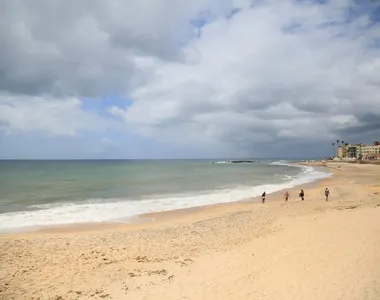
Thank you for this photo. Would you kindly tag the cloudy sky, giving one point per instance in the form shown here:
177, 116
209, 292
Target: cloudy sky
179, 78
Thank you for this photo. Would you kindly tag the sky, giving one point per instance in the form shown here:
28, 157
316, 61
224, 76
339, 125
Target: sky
136, 79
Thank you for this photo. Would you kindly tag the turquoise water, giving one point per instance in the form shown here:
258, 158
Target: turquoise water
47, 193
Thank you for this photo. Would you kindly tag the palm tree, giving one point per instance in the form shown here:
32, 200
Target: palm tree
333, 144
337, 145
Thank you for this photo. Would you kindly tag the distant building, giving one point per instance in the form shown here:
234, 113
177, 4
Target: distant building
371, 152
342, 151
359, 151
354, 151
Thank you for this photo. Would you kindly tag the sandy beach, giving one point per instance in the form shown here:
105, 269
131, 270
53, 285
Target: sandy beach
280, 250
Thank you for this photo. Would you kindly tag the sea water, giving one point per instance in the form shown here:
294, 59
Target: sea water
37, 194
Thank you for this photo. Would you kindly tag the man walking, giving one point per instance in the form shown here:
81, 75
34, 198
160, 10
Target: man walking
302, 195
263, 197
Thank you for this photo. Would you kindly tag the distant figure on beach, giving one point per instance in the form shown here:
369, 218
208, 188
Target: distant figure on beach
263, 197
327, 193
286, 195
302, 195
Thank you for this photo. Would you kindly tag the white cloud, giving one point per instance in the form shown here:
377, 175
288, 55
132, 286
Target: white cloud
87, 48
292, 70
276, 71
49, 116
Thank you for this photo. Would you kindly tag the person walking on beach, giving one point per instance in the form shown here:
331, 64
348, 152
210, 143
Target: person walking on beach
327, 193
286, 196
263, 197
302, 195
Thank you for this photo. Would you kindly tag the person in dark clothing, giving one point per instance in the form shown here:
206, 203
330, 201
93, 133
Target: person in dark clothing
327, 193
263, 197
302, 195
286, 195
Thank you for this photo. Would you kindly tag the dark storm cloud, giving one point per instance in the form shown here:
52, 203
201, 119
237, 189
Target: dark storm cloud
369, 127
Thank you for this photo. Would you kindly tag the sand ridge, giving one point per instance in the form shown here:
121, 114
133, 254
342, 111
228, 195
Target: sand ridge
295, 250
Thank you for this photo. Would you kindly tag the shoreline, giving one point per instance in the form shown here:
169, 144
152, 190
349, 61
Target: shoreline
147, 220
239, 251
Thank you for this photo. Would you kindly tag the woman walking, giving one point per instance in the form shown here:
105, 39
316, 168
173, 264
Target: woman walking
327, 193
286, 196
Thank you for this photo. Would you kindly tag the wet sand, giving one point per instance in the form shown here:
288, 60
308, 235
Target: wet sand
244, 250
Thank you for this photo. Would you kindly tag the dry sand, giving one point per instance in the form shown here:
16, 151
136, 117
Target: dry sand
295, 250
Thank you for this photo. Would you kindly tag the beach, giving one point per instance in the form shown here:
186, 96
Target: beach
243, 250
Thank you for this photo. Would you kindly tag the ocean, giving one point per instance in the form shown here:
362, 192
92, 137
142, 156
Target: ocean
35, 194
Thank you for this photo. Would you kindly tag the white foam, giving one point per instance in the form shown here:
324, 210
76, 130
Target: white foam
97, 210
